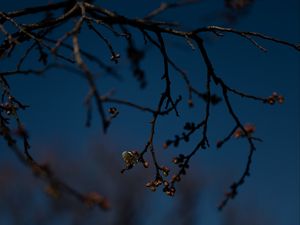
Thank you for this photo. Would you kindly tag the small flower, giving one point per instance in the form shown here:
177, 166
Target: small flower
165, 170
130, 158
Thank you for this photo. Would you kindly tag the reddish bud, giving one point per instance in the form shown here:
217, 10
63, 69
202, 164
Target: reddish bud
165, 146
280, 99
175, 160
146, 164
190, 103
271, 100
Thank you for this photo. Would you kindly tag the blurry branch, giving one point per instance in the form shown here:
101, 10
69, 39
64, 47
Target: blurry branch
84, 13
110, 70
232, 12
135, 56
37, 9
165, 6
11, 107
88, 73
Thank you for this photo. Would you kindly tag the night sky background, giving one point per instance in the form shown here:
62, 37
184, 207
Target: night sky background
56, 117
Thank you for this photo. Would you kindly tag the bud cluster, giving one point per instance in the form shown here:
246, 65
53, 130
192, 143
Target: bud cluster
275, 97
249, 128
190, 128
167, 188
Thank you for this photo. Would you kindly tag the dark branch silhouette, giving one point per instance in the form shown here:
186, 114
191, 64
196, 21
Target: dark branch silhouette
55, 53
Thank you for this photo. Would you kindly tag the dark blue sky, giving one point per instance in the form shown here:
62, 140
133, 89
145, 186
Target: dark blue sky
57, 114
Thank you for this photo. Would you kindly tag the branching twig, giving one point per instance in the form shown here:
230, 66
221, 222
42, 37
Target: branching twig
154, 32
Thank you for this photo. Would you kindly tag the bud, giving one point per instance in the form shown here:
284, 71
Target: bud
219, 144
53, 191
157, 182
175, 160
280, 99
153, 188
271, 100
149, 184
145, 164
165, 146
175, 178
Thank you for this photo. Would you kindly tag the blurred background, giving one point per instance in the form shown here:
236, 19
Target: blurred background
91, 161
